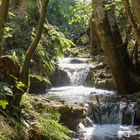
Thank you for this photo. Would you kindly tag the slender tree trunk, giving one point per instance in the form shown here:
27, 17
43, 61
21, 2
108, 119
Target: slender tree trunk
116, 35
31, 50
120, 74
4, 7
131, 18
15, 3
136, 5
94, 37
20, 6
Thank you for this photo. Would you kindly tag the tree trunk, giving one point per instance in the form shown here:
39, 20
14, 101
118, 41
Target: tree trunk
136, 5
20, 6
94, 37
131, 19
95, 41
31, 50
120, 74
4, 7
116, 35
15, 3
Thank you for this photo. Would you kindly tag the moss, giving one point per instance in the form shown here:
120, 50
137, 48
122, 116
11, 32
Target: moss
52, 130
9, 68
32, 124
105, 84
25, 102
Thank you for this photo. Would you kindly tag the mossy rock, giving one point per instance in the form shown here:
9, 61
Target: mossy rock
9, 69
38, 84
105, 84
71, 114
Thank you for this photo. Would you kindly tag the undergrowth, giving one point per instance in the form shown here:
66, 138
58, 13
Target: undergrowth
33, 124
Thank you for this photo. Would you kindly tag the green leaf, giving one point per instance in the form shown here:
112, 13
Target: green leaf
3, 103
20, 86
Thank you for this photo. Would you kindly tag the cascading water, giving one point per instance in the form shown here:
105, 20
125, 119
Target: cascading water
77, 72
112, 118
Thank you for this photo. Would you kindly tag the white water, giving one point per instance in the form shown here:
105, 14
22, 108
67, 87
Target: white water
106, 132
111, 127
77, 93
77, 72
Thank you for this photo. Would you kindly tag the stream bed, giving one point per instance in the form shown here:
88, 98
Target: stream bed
110, 115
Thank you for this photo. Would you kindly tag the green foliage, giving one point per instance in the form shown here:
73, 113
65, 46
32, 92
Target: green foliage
3, 103
20, 33
80, 13
83, 40
121, 16
52, 45
20, 86
52, 129
7, 32
57, 8
17, 32
52, 113
59, 42
3, 135
73, 16
18, 53
25, 101
5, 89
47, 122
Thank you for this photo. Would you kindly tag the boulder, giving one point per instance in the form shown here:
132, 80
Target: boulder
9, 69
78, 61
71, 114
105, 84
38, 84
60, 78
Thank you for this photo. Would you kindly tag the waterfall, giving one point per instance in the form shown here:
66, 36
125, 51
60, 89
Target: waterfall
110, 116
78, 77
77, 72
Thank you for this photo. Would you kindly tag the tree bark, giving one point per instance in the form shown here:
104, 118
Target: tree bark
121, 76
31, 50
95, 41
116, 35
94, 37
35, 42
4, 7
136, 5
131, 18
15, 3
